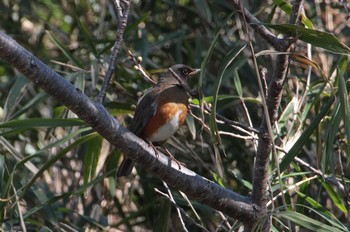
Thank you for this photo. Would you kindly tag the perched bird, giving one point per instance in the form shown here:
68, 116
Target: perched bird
161, 111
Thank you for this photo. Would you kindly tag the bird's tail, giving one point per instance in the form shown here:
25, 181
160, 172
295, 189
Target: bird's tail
125, 168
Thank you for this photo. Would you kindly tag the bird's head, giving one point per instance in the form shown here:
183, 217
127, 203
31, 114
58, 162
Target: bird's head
179, 74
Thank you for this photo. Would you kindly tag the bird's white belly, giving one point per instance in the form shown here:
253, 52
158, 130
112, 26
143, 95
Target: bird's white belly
167, 130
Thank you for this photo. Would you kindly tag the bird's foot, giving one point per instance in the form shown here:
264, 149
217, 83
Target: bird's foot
155, 148
173, 158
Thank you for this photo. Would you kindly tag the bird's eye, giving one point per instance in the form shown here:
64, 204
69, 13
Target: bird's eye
185, 71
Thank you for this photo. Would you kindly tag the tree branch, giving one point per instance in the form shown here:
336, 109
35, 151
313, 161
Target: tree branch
94, 114
123, 18
278, 43
270, 105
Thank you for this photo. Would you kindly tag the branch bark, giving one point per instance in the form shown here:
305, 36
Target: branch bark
93, 113
123, 18
278, 43
260, 176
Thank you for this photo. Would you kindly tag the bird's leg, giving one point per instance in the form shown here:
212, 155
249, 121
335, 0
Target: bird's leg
173, 158
154, 148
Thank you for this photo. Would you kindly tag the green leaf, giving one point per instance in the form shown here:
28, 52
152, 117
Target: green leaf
345, 109
65, 51
306, 222
133, 26
30, 105
7, 146
13, 96
238, 84
57, 157
317, 38
210, 99
91, 157
328, 158
287, 7
244, 182
218, 180
118, 108
203, 9
42, 122
66, 195
191, 126
65, 139
335, 198
206, 58
289, 157
85, 33
224, 64
315, 205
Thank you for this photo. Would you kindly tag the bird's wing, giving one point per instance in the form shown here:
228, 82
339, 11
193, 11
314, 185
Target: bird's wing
145, 109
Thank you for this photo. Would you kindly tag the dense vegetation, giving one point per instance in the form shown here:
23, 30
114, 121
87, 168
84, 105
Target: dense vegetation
56, 173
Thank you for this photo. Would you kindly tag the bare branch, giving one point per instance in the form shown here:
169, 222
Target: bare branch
257, 25
270, 104
139, 67
123, 18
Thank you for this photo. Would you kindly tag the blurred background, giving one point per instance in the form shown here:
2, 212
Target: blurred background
59, 175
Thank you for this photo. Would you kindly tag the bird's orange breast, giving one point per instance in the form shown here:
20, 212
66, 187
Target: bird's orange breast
166, 109
169, 117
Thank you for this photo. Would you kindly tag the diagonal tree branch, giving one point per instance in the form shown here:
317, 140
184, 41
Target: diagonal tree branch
93, 113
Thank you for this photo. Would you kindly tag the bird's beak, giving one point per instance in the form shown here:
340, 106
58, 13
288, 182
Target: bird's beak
194, 71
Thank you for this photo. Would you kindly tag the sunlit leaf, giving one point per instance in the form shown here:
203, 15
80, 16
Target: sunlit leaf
317, 38
287, 7
306, 222
334, 196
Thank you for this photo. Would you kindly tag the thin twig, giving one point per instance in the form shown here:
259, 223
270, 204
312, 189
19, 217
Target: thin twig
263, 77
331, 180
257, 25
224, 221
291, 188
123, 17
232, 123
238, 136
170, 196
137, 61
236, 125
22, 223
178, 207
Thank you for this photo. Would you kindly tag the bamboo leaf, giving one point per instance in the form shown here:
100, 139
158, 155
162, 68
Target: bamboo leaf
317, 38
225, 63
334, 196
287, 7
289, 157
306, 222
41, 122
345, 109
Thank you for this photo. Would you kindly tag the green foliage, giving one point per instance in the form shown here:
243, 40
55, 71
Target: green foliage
56, 173
329, 41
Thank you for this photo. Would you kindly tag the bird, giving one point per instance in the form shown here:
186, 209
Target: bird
162, 110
